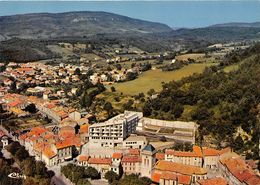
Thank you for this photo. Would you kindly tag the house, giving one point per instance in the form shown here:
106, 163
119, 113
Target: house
194, 158
134, 141
194, 172
83, 160
168, 178
102, 165
211, 158
131, 164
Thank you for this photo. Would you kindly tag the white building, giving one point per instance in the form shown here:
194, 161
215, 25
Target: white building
113, 132
134, 141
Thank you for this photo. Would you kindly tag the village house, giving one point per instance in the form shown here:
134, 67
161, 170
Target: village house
194, 158
195, 173
131, 164
210, 158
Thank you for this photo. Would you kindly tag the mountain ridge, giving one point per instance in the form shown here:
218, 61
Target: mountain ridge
81, 23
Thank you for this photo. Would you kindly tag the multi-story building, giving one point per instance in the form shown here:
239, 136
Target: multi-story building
210, 158
113, 132
194, 158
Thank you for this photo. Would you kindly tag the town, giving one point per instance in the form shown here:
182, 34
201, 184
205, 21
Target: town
97, 98
114, 145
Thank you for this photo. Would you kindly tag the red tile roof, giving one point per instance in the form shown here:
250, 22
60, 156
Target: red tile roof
195, 153
48, 152
213, 181
240, 170
107, 161
184, 179
64, 144
156, 177
160, 156
168, 176
131, 159
14, 103
255, 180
132, 151
83, 158
210, 152
117, 155
179, 168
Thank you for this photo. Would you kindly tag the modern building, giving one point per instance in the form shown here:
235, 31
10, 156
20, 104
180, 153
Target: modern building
113, 132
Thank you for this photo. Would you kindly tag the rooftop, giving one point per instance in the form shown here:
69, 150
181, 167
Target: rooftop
107, 161
149, 148
213, 181
168, 166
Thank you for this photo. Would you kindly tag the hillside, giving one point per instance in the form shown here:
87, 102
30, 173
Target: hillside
73, 24
226, 106
219, 34
238, 24
24, 50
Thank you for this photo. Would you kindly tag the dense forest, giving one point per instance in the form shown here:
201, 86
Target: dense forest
226, 106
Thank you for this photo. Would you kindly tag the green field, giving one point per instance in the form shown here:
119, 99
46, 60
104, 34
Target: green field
230, 68
154, 78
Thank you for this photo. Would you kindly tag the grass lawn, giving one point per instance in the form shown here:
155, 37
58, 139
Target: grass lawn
154, 78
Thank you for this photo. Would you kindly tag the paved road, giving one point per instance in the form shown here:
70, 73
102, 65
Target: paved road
58, 181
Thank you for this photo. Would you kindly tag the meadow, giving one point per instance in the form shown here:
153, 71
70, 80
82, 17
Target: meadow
153, 79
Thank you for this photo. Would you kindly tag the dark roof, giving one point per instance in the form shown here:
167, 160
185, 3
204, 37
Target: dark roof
149, 148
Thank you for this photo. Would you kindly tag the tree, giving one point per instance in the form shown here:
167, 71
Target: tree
128, 105
113, 89
40, 169
92, 173
13, 147
28, 167
111, 176
108, 107
131, 76
118, 67
31, 108
77, 72
146, 180
21, 154
151, 92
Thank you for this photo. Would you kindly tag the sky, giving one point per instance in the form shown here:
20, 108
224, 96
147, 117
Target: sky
173, 13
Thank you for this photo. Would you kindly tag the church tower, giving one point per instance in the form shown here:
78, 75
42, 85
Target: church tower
148, 160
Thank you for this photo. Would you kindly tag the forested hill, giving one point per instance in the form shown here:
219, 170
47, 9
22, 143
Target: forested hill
226, 106
73, 24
